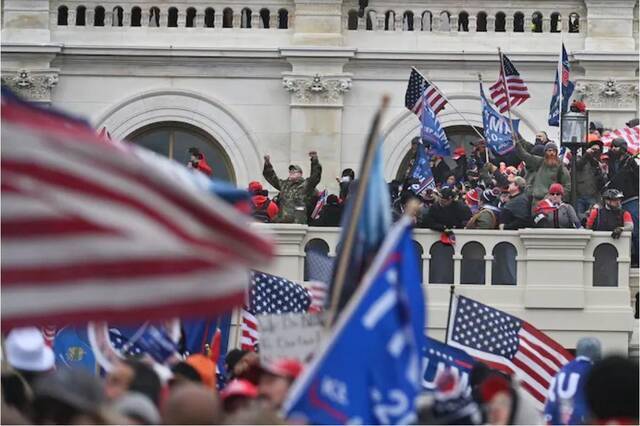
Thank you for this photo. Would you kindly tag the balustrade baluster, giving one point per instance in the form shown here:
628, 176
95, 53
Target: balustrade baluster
509, 24
237, 18
473, 23
491, 24
126, 18
71, 17
453, 23
546, 25
182, 19
89, 17
164, 18
273, 18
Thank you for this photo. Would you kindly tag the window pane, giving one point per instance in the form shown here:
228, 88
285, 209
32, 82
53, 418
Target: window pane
156, 141
213, 154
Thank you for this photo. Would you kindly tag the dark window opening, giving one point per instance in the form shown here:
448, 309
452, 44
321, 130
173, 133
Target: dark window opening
481, 23
500, 22
283, 19
80, 16
463, 22
265, 15
536, 22
518, 22
98, 17
173, 17
63, 15
227, 18
191, 18
136, 16
209, 17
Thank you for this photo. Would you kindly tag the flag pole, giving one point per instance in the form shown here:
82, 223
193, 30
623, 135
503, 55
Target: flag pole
350, 232
486, 152
506, 88
559, 68
452, 290
449, 102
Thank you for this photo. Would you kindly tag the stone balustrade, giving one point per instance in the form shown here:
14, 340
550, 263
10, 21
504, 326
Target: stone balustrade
274, 14
567, 282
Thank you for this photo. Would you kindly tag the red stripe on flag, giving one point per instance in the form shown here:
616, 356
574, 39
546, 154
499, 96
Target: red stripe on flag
26, 228
547, 341
526, 352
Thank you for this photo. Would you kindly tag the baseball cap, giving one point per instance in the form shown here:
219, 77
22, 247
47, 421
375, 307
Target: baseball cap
284, 367
556, 188
255, 186
446, 192
26, 350
458, 152
239, 387
295, 168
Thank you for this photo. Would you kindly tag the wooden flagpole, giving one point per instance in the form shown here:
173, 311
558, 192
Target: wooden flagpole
486, 149
559, 69
449, 102
452, 290
350, 231
506, 88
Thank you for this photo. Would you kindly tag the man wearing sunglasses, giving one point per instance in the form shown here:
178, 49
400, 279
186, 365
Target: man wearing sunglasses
552, 212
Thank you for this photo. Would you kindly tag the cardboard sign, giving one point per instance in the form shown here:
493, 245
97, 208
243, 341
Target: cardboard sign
296, 336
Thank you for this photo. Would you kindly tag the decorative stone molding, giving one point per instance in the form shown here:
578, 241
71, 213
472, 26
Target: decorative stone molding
323, 90
609, 94
34, 86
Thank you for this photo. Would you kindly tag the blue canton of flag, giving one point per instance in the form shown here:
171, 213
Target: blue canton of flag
439, 357
385, 318
432, 133
567, 90
270, 294
422, 171
497, 131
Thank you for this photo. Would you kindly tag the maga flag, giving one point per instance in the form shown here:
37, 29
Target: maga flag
497, 131
562, 80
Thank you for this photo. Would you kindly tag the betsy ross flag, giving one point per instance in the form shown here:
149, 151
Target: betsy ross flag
562, 80
507, 343
509, 90
630, 134
270, 294
420, 89
91, 231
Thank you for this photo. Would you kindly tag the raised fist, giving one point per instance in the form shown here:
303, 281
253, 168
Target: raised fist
267, 159
313, 155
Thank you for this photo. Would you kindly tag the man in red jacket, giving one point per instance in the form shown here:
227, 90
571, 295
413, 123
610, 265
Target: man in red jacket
199, 162
264, 209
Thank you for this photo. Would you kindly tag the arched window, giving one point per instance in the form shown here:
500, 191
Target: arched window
500, 22
419, 252
481, 22
118, 16
136, 16
426, 21
556, 22
441, 264
81, 11
536, 22
63, 15
317, 251
390, 20
245, 18
173, 140
463, 22
574, 23
407, 21
209, 17
518, 22
98, 16
154, 17
371, 20
605, 266
445, 21
172, 17
265, 15
283, 19
504, 267
191, 17
227, 18
472, 268
352, 22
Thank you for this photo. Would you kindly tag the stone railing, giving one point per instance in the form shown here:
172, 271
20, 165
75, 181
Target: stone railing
393, 16
274, 14
566, 282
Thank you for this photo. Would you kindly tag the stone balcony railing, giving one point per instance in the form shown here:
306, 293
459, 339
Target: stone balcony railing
566, 282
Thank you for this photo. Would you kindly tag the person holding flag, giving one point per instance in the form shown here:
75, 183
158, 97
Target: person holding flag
560, 98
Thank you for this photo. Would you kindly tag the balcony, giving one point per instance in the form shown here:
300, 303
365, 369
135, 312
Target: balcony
569, 283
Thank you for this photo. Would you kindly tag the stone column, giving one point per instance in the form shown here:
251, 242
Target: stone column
27, 21
318, 22
609, 25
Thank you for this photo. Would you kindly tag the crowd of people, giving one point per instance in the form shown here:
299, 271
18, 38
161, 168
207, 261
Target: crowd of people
528, 187
589, 389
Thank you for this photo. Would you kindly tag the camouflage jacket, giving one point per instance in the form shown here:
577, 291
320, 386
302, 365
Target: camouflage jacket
294, 194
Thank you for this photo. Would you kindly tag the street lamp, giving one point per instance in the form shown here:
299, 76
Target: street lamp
574, 128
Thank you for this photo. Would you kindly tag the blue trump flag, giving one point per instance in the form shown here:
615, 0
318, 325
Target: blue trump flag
497, 131
373, 223
432, 133
422, 171
562, 80
438, 357
385, 318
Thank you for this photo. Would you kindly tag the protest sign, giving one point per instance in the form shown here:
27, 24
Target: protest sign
289, 336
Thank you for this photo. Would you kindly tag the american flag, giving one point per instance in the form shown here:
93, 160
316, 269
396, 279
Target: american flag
92, 231
509, 83
319, 268
270, 294
630, 134
417, 90
507, 343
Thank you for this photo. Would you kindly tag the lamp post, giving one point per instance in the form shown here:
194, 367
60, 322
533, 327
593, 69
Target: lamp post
574, 128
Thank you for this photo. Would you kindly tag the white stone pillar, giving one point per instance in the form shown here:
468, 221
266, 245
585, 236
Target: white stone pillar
609, 25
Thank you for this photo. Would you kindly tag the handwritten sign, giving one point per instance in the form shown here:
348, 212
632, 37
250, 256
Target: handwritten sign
295, 336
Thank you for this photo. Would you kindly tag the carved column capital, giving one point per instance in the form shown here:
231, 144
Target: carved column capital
31, 85
317, 90
609, 94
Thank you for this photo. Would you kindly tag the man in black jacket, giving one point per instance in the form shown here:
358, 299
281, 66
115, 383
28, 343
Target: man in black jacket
447, 213
516, 213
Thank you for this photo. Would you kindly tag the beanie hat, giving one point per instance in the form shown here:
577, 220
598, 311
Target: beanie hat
488, 196
620, 143
589, 347
494, 384
550, 145
556, 188
205, 367
471, 197
255, 186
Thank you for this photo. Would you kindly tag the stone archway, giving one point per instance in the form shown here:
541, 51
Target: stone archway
191, 108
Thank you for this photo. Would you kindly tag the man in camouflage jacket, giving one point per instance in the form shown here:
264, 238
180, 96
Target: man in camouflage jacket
295, 192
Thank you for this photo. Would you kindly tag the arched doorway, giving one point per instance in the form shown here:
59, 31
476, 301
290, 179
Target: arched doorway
457, 135
173, 139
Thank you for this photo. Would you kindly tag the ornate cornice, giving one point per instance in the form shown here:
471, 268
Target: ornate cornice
31, 85
609, 94
317, 89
